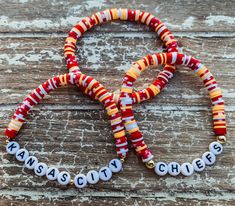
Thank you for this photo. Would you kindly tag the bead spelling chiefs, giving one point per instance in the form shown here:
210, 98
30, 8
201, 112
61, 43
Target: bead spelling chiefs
112, 103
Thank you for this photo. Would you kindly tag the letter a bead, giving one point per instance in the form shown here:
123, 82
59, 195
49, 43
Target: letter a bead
216, 148
92, 177
208, 158
22, 155
52, 173
12, 147
115, 165
80, 181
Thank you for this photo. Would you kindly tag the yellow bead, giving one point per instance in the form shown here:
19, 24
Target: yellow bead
150, 164
221, 139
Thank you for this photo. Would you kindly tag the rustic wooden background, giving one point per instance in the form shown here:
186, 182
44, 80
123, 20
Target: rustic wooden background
71, 131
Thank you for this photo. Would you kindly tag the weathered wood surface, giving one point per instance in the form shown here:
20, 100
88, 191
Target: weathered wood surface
70, 130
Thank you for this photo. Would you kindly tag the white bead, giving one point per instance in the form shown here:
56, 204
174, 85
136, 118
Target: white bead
115, 165
208, 158
92, 177
105, 173
31, 162
216, 148
198, 165
173, 168
12, 147
161, 168
63, 178
22, 155
52, 173
186, 169
80, 181
40, 169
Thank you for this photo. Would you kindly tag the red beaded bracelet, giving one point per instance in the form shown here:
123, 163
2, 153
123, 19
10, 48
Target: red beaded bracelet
131, 15
126, 101
123, 14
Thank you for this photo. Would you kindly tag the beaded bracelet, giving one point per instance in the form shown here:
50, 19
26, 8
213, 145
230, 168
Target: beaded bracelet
41, 169
131, 15
215, 92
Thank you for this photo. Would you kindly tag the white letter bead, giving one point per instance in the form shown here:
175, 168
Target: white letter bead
105, 173
63, 178
22, 155
52, 173
92, 177
208, 158
161, 168
115, 165
40, 169
80, 181
216, 148
173, 168
198, 165
31, 162
186, 169
12, 147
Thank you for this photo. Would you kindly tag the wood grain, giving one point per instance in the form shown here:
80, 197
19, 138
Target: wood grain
70, 131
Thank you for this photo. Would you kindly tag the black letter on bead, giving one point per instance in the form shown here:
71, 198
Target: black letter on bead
64, 176
12, 146
217, 147
208, 156
104, 171
114, 164
39, 170
52, 173
30, 161
92, 176
161, 170
174, 168
187, 168
198, 163
79, 181
21, 154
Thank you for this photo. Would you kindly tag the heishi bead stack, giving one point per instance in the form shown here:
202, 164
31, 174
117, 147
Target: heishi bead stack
126, 103
137, 97
63, 177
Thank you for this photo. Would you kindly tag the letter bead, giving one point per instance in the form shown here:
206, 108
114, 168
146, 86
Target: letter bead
173, 168
31, 162
12, 147
63, 178
40, 169
92, 177
115, 165
198, 165
105, 173
186, 169
216, 148
52, 173
80, 181
161, 168
22, 155
209, 158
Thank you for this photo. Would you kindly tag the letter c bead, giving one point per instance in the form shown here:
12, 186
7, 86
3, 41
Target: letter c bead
161, 168
80, 181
